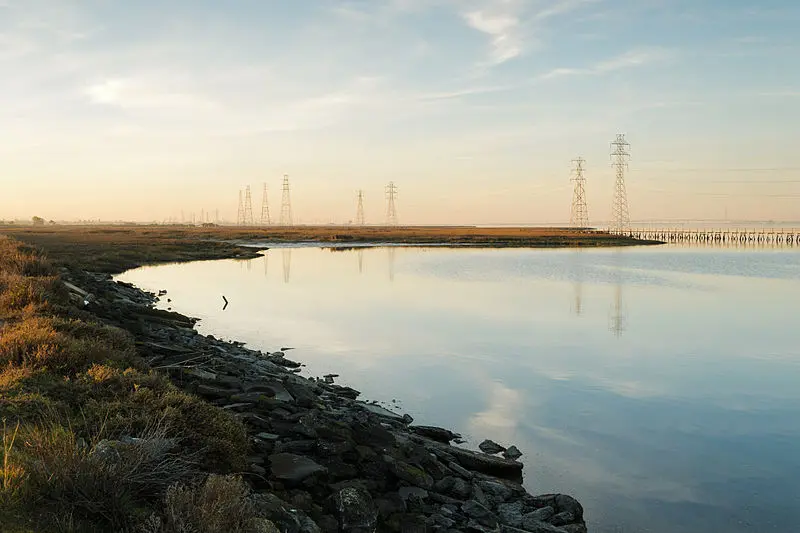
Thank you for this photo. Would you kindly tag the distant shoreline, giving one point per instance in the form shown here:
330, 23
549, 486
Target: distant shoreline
115, 249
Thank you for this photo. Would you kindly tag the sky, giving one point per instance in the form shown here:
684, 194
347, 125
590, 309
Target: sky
150, 111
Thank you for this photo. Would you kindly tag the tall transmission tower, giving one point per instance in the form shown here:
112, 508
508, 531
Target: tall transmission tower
621, 218
248, 208
240, 213
360, 210
265, 221
579, 216
391, 208
286, 203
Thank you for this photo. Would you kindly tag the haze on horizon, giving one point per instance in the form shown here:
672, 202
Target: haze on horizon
141, 110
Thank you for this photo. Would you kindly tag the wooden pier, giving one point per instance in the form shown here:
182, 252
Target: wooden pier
783, 237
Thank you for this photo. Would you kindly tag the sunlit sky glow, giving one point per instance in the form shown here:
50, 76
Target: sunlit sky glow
475, 108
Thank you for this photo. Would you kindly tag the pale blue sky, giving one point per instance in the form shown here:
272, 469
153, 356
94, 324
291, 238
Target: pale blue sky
475, 108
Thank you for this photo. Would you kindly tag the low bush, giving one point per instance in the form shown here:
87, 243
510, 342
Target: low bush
92, 438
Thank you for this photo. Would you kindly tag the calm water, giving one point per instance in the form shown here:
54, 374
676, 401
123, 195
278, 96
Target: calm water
660, 386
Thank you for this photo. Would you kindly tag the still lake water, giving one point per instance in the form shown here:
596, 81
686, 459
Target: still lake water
659, 386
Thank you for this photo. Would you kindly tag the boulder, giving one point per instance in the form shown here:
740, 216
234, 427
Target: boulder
539, 515
355, 510
512, 453
480, 513
435, 433
490, 447
293, 468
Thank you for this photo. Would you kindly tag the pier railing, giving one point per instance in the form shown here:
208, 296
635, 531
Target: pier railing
774, 236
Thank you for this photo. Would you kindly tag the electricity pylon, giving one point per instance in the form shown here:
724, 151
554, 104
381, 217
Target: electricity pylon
248, 208
360, 209
391, 208
579, 215
620, 217
240, 212
286, 203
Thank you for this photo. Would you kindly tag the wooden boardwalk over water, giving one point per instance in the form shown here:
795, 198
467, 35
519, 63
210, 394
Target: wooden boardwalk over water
764, 236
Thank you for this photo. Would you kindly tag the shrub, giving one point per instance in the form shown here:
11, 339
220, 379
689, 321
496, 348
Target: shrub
98, 483
221, 504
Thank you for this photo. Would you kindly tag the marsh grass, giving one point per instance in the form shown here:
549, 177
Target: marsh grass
92, 438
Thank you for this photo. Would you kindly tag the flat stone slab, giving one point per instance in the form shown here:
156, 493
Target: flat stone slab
294, 468
380, 411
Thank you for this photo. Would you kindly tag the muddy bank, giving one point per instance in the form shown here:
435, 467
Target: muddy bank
323, 459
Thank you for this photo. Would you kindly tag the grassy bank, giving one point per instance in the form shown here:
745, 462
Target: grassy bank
92, 439
114, 249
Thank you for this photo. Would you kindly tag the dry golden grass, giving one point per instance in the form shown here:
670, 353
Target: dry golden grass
66, 385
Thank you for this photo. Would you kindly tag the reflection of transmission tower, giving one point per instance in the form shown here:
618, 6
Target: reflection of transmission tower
248, 207
618, 322
360, 209
391, 251
286, 254
265, 221
286, 203
577, 282
391, 208
621, 219
240, 213
360, 260
579, 216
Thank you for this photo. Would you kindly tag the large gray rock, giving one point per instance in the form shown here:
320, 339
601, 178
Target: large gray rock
435, 433
511, 513
512, 453
355, 510
539, 515
293, 468
568, 503
563, 518
410, 474
480, 513
490, 447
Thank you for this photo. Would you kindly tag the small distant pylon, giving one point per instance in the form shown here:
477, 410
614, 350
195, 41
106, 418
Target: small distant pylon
248, 207
265, 221
360, 210
240, 213
620, 217
286, 203
579, 216
391, 208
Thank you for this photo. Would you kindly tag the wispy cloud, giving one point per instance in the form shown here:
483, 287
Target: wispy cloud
503, 29
631, 59
462, 93
513, 25
141, 94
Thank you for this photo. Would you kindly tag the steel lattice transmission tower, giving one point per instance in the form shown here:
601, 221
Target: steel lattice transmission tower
265, 220
621, 219
286, 203
391, 208
579, 215
248, 208
360, 210
240, 212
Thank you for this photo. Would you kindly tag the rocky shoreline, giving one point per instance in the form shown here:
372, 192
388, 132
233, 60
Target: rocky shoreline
321, 459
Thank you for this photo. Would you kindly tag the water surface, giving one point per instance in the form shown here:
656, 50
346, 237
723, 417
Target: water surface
659, 386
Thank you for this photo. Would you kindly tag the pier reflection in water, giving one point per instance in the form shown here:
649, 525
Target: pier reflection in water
684, 423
